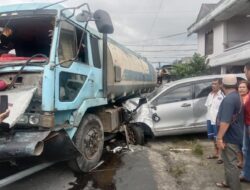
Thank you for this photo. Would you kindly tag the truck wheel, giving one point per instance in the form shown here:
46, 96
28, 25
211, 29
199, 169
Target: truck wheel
136, 135
89, 140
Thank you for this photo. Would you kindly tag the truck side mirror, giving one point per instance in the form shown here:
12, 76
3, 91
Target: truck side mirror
103, 22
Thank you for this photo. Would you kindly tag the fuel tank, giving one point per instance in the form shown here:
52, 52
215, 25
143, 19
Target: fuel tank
128, 73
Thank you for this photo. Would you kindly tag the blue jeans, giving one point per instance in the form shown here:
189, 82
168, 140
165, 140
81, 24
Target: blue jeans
246, 153
211, 130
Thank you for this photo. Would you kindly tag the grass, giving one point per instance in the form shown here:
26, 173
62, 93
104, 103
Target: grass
177, 170
197, 149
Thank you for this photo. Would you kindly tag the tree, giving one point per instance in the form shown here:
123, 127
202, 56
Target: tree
193, 67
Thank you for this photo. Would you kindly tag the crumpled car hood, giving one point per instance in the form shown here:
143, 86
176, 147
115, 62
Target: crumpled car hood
131, 104
143, 113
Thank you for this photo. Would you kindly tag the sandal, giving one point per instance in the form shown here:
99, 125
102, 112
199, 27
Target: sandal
221, 185
219, 161
240, 166
212, 157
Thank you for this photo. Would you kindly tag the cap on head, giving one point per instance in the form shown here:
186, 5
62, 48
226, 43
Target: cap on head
229, 80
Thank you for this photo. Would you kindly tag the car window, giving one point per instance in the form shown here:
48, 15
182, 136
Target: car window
156, 91
202, 89
177, 94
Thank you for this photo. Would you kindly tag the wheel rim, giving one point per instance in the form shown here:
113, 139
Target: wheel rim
91, 142
131, 135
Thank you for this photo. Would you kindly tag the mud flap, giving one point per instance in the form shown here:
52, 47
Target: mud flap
59, 147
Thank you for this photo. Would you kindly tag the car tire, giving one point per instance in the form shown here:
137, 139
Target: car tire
89, 140
136, 135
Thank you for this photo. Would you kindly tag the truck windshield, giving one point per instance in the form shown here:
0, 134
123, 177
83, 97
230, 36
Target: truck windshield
24, 37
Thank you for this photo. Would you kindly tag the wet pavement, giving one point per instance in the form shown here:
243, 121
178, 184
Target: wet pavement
169, 163
126, 170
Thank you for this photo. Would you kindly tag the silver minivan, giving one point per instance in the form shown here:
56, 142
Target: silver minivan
174, 108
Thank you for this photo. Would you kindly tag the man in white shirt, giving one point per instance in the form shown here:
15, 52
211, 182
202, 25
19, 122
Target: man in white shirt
213, 102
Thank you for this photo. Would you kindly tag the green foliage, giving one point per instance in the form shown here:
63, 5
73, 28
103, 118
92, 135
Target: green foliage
194, 67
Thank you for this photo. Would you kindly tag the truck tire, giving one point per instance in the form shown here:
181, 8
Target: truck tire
89, 140
136, 135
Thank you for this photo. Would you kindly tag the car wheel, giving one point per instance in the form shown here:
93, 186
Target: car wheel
136, 135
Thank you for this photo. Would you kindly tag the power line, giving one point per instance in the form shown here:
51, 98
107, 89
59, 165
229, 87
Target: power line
176, 50
180, 55
156, 17
167, 45
162, 37
167, 57
157, 62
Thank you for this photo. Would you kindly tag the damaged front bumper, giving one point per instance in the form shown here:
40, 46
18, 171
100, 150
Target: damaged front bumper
142, 115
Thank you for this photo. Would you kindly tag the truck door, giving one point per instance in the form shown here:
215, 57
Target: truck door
77, 78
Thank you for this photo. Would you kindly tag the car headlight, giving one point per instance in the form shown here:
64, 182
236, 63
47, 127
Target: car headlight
34, 119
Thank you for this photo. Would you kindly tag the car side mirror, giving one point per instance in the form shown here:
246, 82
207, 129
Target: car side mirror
142, 101
153, 107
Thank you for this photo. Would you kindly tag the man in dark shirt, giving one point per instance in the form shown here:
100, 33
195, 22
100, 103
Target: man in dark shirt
5, 43
230, 135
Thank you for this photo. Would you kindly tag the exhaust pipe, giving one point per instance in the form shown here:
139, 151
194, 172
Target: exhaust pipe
22, 144
56, 146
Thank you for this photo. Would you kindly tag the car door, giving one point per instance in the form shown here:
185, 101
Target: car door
201, 91
174, 107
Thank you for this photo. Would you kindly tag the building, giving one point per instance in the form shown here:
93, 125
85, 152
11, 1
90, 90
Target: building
223, 32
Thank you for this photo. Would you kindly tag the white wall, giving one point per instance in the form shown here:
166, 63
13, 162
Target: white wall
201, 43
219, 38
238, 31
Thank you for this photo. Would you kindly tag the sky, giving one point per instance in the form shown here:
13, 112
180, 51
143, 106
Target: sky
155, 29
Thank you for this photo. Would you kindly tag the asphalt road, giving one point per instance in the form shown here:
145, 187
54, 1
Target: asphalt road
169, 163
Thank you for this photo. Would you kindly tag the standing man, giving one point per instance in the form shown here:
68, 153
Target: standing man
213, 102
245, 174
230, 134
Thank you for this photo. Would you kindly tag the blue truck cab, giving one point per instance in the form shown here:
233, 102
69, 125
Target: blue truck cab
66, 82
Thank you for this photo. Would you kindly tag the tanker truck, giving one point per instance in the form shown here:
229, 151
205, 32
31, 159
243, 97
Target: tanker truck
65, 83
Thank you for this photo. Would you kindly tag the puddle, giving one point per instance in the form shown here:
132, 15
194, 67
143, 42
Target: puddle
100, 178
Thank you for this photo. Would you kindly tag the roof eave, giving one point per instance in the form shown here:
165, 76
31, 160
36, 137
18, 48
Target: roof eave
217, 14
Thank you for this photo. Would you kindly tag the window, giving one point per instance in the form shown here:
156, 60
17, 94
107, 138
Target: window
83, 52
209, 43
180, 93
30, 34
67, 44
70, 85
70, 38
95, 51
202, 89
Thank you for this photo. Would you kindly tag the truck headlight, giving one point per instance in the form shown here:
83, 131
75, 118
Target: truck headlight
24, 119
34, 119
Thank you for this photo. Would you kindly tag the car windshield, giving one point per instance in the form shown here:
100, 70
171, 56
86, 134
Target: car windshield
157, 91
